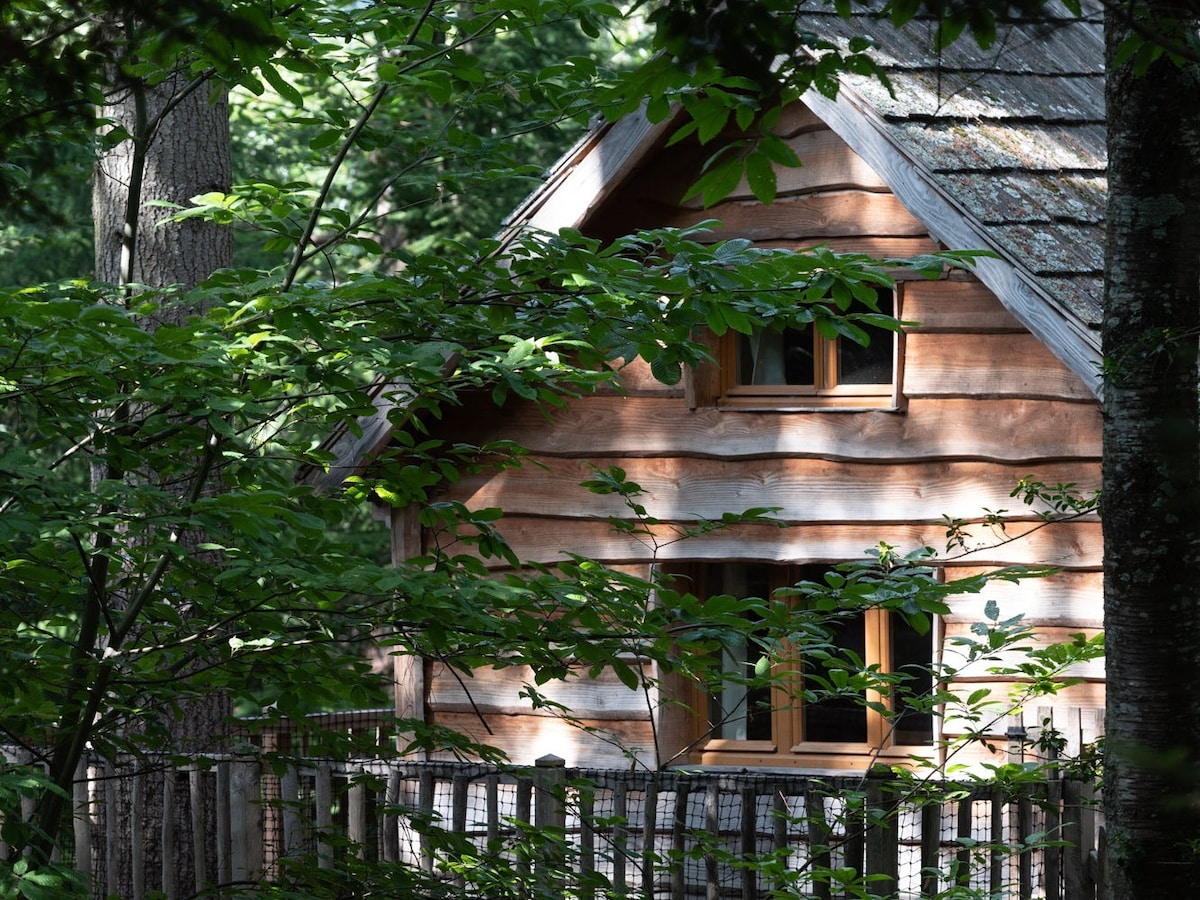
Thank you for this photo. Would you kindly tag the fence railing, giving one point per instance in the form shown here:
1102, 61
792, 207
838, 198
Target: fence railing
668, 835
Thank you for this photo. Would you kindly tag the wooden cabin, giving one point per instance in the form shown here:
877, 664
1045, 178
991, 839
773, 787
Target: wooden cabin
998, 380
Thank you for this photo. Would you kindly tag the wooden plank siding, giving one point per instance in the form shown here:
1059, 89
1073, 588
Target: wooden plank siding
543, 540
984, 403
682, 489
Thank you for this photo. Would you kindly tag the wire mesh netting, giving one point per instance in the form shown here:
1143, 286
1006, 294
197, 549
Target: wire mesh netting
145, 825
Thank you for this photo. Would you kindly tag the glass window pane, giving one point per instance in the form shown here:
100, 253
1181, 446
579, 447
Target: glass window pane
840, 719
911, 653
742, 712
871, 364
776, 357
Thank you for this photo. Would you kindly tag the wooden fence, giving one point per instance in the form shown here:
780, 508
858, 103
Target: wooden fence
671, 835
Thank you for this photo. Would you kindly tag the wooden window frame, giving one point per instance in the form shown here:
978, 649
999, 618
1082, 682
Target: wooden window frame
788, 745
716, 383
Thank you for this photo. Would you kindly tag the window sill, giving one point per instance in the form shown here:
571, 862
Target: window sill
759, 406
806, 757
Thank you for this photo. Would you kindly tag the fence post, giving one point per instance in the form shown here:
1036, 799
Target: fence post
356, 813
587, 841
1077, 833
167, 843
323, 796
649, 835
245, 820
111, 838
881, 837
931, 844
426, 794
1052, 876
289, 797
82, 819
620, 838
819, 836
460, 785
679, 838
962, 873
750, 842
199, 835
391, 816
136, 842
999, 855
550, 817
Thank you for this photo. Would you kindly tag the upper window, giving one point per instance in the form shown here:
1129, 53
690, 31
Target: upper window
799, 711
801, 367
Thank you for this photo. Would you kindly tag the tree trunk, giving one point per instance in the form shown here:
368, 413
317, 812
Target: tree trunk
1152, 476
186, 153
179, 148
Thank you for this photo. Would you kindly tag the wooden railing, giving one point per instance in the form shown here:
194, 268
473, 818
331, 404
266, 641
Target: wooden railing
670, 835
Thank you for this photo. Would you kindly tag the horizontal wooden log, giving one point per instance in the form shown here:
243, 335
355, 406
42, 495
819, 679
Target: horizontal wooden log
598, 744
835, 214
636, 381
1067, 599
1015, 430
802, 490
826, 163
955, 655
497, 691
878, 247
542, 540
986, 366
954, 306
1087, 694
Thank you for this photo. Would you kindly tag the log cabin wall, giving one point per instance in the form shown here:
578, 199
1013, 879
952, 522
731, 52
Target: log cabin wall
982, 403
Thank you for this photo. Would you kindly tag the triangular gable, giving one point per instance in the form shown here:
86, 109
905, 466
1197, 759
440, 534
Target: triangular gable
1001, 151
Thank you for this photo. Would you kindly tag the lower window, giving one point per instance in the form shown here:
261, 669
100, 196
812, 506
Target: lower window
795, 713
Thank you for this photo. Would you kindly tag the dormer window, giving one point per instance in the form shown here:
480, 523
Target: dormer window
800, 367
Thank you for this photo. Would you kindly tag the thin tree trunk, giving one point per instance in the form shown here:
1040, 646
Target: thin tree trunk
1152, 477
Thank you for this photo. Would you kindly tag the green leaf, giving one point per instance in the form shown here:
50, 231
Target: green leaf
388, 71
628, 677
717, 184
760, 175
778, 151
282, 86
665, 370
325, 139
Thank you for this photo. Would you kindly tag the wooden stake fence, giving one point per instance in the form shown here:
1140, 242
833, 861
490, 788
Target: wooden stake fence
672, 835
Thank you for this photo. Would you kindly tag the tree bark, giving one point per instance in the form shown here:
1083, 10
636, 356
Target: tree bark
180, 148
1151, 479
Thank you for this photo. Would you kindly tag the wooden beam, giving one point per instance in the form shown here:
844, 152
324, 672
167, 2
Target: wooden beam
408, 670
1013, 430
539, 539
802, 490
